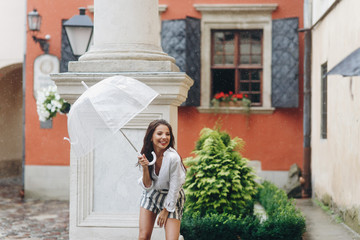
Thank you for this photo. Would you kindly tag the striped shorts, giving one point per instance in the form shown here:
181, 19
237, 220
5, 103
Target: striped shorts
153, 201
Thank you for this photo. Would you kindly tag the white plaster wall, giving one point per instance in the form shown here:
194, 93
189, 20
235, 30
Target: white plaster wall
336, 160
12, 29
320, 7
47, 182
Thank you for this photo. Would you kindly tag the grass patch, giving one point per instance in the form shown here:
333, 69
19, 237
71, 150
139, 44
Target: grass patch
329, 211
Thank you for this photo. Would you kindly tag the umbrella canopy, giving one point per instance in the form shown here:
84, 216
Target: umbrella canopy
103, 109
349, 66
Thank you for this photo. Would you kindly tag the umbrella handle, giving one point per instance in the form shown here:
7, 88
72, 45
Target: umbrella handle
154, 159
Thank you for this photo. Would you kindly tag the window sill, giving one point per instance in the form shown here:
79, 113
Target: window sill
236, 110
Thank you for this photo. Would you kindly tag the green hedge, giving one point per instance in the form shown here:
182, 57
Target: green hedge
284, 222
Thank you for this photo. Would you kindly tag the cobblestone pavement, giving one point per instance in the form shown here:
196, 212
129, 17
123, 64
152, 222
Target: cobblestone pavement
31, 219
49, 220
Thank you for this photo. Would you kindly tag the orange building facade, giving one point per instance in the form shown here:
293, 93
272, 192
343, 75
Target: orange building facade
273, 135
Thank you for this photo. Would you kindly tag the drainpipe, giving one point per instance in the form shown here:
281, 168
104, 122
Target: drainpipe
307, 116
307, 189
22, 191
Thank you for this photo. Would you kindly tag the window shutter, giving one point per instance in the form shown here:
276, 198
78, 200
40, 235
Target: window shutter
285, 63
181, 40
66, 53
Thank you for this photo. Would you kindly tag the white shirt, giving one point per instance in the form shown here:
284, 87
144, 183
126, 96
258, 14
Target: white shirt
171, 177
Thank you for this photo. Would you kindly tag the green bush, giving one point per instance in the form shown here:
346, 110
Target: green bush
219, 226
218, 179
284, 222
210, 227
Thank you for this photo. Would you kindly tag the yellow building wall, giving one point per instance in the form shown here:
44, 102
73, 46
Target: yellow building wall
336, 160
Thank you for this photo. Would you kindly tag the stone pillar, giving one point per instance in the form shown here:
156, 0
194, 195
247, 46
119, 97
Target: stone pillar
104, 195
128, 35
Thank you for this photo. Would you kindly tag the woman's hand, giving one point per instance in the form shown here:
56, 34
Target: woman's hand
163, 217
143, 161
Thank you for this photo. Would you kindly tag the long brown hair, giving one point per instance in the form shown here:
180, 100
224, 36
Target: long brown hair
148, 145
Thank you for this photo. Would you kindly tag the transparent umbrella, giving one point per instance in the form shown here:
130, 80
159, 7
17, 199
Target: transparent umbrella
103, 109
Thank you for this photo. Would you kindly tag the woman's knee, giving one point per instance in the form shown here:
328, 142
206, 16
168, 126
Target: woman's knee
144, 236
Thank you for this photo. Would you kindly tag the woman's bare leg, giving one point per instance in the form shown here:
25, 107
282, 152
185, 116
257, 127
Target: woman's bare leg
146, 224
172, 229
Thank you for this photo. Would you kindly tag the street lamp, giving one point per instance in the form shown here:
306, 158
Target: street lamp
79, 30
34, 23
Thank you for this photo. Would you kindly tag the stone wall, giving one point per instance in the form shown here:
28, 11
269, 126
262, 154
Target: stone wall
11, 120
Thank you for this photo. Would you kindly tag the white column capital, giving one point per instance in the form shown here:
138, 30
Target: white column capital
173, 87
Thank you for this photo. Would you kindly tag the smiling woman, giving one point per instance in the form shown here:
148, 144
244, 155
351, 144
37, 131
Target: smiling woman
163, 194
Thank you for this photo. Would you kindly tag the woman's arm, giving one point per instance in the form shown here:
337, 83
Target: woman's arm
146, 180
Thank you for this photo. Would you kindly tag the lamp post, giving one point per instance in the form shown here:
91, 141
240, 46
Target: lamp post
79, 31
34, 23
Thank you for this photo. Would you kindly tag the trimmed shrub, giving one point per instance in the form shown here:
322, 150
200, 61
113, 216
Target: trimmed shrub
218, 179
284, 222
210, 227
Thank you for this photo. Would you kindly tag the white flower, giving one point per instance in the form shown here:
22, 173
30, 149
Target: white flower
43, 107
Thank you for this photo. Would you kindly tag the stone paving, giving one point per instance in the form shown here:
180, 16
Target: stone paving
31, 219
49, 220
322, 226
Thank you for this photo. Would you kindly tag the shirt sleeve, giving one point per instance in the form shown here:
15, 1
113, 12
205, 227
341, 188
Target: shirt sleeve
141, 183
177, 179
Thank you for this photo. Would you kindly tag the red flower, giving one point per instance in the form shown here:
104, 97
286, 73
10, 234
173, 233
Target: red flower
219, 95
239, 95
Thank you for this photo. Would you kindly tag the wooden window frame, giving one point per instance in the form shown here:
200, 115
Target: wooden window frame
237, 66
235, 17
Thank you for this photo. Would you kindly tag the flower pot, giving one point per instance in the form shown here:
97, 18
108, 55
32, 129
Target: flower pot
231, 104
238, 104
222, 104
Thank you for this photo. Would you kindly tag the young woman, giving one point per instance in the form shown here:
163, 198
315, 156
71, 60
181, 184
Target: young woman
162, 182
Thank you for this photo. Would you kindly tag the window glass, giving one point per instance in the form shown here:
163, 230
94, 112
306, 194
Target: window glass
245, 48
223, 81
255, 75
224, 47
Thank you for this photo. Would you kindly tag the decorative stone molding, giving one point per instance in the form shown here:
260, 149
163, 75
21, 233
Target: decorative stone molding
235, 7
162, 8
90, 8
88, 216
235, 16
172, 86
235, 110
